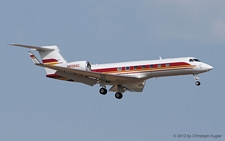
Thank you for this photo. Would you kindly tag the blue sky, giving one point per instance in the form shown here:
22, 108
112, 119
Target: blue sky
33, 107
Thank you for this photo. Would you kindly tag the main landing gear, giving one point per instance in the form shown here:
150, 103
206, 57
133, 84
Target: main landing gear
118, 94
103, 91
197, 83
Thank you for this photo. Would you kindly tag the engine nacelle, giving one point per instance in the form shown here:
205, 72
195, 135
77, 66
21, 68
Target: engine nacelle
80, 65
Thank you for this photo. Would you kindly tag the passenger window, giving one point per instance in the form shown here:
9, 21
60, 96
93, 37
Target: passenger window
127, 68
135, 67
167, 65
119, 69
159, 65
143, 67
151, 66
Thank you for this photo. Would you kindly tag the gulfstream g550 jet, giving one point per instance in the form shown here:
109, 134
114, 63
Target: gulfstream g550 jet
122, 76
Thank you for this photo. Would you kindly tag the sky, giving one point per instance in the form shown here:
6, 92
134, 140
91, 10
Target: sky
33, 107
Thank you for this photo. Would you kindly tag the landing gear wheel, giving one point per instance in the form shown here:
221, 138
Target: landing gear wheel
103, 91
197, 83
118, 95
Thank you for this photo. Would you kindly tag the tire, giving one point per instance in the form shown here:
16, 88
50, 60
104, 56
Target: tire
103, 91
118, 95
197, 83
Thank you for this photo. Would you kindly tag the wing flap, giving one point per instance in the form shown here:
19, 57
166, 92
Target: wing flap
132, 87
77, 78
135, 87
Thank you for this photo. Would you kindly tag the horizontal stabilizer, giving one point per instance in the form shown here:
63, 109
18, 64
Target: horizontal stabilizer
49, 48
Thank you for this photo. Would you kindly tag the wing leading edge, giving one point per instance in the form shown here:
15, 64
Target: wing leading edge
117, 79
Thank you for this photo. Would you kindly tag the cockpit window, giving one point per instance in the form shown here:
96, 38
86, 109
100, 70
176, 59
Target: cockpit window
191, 60
196, 60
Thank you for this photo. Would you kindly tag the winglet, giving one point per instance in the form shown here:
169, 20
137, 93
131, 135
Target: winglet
33, 58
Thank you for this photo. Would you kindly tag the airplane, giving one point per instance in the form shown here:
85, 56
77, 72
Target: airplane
122, 76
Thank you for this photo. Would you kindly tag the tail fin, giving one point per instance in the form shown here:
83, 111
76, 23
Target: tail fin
48, 54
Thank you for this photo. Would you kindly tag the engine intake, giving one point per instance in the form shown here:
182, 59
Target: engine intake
80, 65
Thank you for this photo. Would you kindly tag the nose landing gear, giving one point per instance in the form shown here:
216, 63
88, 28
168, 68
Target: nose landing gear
118, 94
197, 83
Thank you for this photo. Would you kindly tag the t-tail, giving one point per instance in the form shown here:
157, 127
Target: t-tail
49, 55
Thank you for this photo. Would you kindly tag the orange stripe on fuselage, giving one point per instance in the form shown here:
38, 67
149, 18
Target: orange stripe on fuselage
173, 66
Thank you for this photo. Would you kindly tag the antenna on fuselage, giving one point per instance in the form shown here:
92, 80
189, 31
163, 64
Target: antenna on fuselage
160, 57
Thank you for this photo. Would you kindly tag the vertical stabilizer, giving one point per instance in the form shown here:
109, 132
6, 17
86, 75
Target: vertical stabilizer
49, 55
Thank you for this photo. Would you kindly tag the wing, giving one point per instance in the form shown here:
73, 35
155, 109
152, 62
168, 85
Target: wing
114, 79
117, 79
90, 78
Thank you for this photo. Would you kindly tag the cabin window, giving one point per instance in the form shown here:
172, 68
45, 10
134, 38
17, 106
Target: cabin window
135, 67
167, 65
143, 67
159, 65
119, 69
127, 68
151, 66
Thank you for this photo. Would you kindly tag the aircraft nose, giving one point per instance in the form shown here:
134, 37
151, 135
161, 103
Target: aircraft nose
208, 67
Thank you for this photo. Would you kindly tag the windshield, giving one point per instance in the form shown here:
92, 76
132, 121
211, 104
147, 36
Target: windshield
194, 60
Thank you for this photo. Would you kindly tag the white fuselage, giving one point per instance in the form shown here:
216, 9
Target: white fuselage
154, 68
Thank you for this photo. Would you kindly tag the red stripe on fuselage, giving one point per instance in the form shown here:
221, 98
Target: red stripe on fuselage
147, 66
178, 64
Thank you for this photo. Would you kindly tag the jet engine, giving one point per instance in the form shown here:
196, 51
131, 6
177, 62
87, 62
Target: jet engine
80, 65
